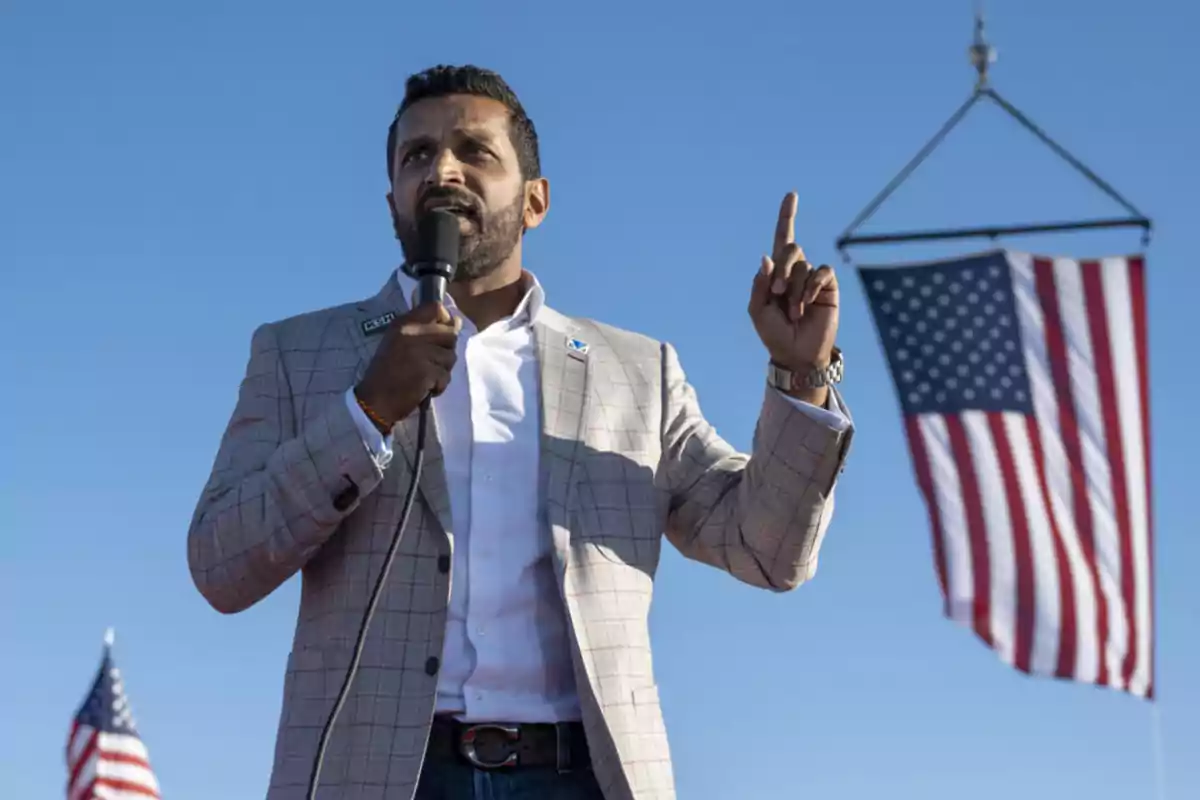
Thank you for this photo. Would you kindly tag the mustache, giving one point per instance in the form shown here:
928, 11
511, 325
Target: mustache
443, 195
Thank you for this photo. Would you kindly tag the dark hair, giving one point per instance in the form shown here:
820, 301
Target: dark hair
443, 80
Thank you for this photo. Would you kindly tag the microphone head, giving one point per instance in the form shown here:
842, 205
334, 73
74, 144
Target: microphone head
437, 239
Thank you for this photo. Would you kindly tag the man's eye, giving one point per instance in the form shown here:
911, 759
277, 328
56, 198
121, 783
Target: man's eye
414, 154
476, 149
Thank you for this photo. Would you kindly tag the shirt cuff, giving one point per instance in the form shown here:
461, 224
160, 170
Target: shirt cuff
832, 416
378, 445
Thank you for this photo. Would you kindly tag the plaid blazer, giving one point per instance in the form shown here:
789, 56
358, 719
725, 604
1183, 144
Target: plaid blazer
625, 456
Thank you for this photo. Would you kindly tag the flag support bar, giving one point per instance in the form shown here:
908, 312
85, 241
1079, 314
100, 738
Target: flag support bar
982, 55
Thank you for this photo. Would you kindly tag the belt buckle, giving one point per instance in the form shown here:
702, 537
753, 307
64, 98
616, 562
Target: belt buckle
466, 744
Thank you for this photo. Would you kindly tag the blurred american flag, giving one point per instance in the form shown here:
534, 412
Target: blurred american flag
106, 759
1023, 382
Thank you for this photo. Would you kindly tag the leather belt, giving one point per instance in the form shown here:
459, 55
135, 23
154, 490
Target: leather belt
502, 745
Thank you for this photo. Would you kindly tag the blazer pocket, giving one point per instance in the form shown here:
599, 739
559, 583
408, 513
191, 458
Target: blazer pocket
636, 554
309, 670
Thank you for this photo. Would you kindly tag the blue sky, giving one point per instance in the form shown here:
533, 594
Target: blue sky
172, 177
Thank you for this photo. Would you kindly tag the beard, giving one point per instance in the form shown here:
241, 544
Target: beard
487, 242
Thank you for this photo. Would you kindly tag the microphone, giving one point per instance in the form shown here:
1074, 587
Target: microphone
437, 255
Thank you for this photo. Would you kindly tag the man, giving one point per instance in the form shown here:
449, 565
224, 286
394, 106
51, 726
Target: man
559, 452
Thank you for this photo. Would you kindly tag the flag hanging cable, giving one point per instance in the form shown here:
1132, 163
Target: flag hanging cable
982, 55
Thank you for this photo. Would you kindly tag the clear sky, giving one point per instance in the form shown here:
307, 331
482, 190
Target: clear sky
173, 174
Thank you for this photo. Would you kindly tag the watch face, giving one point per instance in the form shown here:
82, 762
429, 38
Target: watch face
786, 380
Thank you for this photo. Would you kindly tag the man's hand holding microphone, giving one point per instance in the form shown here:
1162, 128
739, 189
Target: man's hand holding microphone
413, 362
417, 353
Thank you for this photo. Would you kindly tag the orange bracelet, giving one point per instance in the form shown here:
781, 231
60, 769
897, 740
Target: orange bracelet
372, 415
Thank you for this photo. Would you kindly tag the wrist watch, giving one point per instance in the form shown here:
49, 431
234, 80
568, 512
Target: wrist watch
785, 380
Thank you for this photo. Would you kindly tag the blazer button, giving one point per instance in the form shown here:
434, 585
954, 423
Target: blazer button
443, 564
346, 497
431, 666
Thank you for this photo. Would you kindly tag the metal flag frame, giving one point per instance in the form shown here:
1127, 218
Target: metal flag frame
982, 55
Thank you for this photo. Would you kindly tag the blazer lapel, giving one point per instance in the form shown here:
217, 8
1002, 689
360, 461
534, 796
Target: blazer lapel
367, 328
565, 373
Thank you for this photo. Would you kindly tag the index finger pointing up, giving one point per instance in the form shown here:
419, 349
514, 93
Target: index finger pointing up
785, 232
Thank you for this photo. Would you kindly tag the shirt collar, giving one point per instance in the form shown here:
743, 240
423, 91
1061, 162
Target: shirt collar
527, 310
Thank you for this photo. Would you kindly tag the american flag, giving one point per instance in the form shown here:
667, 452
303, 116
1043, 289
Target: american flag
106, 759
1024, 388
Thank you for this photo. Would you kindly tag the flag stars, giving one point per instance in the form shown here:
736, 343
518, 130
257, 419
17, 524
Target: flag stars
951, 327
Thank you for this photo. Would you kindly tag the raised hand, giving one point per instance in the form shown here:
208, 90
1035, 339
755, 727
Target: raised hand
794, 307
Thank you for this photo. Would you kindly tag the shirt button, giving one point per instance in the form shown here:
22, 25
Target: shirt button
431, 666
443, 564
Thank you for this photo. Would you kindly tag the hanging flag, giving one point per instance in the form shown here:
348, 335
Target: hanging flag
1025, 395
106, 759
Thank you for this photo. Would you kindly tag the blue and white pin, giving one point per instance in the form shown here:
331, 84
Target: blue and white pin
577, 348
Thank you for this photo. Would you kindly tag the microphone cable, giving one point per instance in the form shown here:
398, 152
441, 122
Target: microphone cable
356, 656
438, 246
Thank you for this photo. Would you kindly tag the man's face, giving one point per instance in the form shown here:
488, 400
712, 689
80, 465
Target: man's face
455, 153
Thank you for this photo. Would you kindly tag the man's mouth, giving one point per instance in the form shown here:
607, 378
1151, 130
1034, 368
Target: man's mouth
455, 207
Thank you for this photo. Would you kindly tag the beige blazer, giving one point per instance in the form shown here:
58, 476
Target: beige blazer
625, 456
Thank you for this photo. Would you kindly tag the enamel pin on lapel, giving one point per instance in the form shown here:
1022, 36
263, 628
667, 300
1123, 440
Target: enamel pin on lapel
378, 324
577, 348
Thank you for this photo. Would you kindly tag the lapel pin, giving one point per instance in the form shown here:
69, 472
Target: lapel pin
376, 325
577, 347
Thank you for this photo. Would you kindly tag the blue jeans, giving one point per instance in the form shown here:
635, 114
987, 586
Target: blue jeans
452, 780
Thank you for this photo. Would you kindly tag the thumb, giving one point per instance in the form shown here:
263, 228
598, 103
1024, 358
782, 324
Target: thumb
428, 312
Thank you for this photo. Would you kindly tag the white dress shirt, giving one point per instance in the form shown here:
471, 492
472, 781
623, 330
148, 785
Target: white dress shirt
506, 655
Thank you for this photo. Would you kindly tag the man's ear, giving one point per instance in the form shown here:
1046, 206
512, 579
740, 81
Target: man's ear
537, 202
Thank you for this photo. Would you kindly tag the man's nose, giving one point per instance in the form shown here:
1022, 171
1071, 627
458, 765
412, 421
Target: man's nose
444, 170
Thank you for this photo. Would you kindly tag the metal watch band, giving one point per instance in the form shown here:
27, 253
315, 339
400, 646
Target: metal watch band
787, 381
